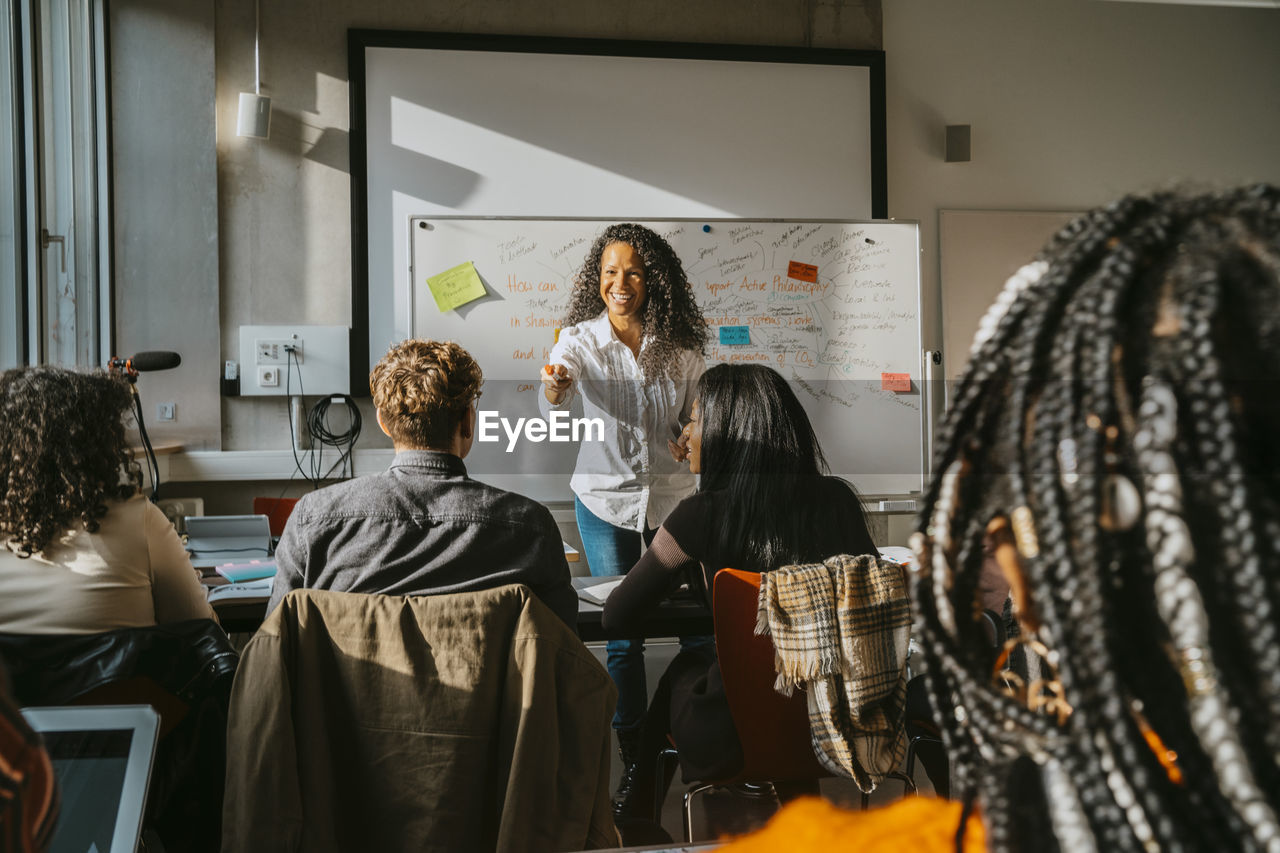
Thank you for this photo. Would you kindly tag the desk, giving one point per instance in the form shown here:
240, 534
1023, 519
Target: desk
682, 615
675, 616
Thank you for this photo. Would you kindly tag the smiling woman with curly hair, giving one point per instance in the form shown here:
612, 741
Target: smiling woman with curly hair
634, 346
670, 320
84, 551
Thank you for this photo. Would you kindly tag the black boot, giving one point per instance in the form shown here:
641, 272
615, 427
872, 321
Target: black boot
638, 801
629, 752
633, 808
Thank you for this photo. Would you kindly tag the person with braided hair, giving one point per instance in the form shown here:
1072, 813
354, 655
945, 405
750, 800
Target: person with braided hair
1111, 447
84, 550
633, 347
1114, 436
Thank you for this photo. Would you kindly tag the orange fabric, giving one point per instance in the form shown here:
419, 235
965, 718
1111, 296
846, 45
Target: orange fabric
913, 823
773, 729
277, 511
28, 790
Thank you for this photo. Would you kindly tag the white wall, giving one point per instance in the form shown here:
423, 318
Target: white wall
1073, 103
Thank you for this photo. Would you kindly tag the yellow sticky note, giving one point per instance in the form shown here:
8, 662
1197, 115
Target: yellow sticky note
456, 287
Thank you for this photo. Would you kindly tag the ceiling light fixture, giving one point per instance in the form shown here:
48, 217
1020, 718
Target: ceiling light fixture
254, 116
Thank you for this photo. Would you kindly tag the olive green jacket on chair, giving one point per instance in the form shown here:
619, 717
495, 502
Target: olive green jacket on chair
471, 721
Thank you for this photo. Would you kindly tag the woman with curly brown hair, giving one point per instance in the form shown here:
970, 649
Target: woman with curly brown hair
84, 551
634, 347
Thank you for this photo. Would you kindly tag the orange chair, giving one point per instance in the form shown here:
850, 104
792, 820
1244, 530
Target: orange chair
773, 729
277, 511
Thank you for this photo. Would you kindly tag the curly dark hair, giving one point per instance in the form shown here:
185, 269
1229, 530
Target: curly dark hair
672, 320
62, 450
1141, 350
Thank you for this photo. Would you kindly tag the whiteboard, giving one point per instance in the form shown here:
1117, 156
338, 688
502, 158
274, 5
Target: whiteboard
462, 125
834, 338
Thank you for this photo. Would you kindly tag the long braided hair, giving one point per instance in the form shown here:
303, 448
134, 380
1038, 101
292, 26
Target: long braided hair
1142, 346
672, 320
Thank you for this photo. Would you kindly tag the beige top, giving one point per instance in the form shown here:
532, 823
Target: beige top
132, 573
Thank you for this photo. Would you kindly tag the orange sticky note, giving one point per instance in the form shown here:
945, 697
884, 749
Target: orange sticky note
895, 381
802, 272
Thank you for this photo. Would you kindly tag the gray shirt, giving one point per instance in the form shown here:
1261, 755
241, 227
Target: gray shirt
419, 528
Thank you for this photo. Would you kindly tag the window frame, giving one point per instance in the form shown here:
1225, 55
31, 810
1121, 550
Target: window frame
84, 170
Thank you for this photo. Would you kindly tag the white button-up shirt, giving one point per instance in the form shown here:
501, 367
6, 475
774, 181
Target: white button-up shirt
629, 479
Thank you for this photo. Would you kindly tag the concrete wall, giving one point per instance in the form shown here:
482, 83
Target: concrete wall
1073, 103
165, 197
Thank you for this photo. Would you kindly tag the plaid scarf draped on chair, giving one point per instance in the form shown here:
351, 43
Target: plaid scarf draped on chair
840, 630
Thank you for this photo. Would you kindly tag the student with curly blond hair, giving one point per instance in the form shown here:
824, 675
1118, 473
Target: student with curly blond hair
83, 550
423, 526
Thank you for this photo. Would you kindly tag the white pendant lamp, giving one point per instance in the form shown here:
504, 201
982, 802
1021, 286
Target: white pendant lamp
254, 116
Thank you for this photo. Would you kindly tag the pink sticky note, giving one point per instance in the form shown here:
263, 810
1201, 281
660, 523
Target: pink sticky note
895, 381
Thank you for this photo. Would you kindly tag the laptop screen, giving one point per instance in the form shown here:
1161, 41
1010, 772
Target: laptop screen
213, 540
90, 767
102, 758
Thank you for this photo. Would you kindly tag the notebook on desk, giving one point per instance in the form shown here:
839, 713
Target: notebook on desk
214, 540
101, 755
596, 590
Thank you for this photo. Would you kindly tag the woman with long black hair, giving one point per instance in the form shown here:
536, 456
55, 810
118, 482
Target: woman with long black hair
764, 501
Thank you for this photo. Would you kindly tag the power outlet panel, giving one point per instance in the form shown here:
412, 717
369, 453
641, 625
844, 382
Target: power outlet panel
280, 360
267, 351
177, 510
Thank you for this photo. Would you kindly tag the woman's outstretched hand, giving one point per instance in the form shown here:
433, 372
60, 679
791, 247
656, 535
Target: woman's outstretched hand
556, 382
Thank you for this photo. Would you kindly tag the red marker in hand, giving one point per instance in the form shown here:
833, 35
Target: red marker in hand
555, 382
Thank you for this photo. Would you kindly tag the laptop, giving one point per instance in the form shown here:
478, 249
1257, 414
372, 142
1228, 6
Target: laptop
214, 540
102, 756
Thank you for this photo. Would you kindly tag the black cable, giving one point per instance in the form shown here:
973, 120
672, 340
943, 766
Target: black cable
153, 467
344, 442
288, 390
198, 551
318, 427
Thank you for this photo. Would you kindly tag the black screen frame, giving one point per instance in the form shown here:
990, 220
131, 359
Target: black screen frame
359, 40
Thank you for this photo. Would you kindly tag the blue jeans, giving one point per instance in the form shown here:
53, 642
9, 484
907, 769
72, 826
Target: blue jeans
613, 551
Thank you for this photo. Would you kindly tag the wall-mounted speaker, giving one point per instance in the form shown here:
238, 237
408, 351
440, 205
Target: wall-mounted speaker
254, 117
957, 143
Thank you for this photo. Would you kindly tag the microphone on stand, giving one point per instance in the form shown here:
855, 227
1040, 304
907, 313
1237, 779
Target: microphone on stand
146, 361
130, 368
